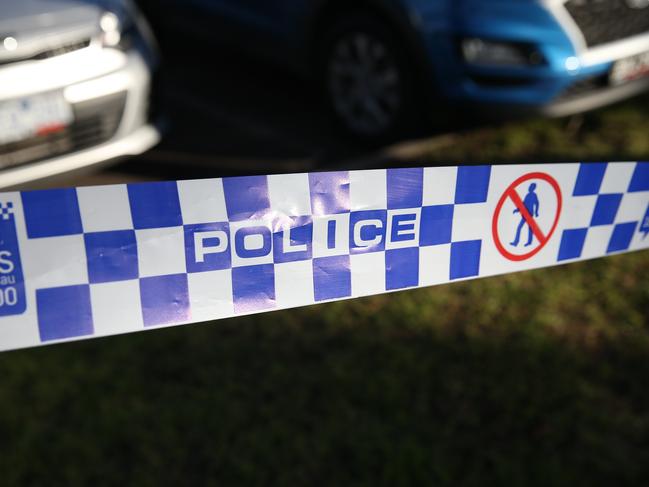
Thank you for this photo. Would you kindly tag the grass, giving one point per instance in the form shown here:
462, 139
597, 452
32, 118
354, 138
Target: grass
613, 134
533, 379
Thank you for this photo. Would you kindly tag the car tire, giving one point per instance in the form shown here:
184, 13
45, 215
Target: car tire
367, 78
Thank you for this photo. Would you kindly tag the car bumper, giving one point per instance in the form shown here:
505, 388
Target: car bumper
561, 107
572, 78
109, 92
130, 144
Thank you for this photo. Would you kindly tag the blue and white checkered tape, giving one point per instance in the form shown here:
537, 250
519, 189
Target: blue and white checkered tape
96, 261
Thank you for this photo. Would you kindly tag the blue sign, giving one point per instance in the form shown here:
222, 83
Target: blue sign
12, 288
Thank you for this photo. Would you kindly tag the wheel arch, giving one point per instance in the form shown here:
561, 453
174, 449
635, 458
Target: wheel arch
324, 13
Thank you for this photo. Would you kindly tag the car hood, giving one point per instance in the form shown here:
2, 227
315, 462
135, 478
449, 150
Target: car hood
38, 24
28, 15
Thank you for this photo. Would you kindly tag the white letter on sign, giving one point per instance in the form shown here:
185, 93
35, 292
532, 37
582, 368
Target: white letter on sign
200, 250
6, 265
288, 246
358, 239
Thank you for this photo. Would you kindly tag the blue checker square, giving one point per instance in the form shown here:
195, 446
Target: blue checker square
64, 312
640, 178
621, 237
154, 205
332, 277
367, 231
436, 225
405, 188
52, 213
401, 268
589, 178
472, 184
246, 197
294, 242
165, 299
606, 209
111, 256
465, 259
572, 243
207, 247
253, 288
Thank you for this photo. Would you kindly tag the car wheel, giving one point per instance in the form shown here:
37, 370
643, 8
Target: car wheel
367, 78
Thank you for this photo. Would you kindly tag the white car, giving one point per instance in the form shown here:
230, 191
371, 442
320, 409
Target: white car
75, 86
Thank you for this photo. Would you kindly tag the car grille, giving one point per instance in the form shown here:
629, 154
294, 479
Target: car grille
51, 52
64, 49
604, 21
95, 122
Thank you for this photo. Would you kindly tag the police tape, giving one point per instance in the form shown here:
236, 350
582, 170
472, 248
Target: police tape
96, 261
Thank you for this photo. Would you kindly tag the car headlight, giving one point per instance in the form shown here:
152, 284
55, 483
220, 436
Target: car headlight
499, 53
116, 31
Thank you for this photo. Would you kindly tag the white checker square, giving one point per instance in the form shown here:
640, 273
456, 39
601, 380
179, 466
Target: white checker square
434, 264
289, 194
439, 185
407, 229
633, 207
161, 251
617, 177
202, 201
368, 190
116, 307
578, 211
471, 222
55, 261
321, 228
596, 242
105, 208
210, 295
250, 242
368, 273
294, 284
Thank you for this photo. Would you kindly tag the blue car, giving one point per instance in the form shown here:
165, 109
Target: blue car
381, 62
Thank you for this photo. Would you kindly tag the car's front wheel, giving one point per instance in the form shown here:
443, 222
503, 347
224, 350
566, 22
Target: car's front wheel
368, 81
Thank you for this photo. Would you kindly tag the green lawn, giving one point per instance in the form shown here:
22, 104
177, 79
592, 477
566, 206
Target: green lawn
618, 133
533, 379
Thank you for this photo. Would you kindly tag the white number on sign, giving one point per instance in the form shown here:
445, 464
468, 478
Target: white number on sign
8, 296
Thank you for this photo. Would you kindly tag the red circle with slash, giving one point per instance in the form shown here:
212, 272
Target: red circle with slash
510, 193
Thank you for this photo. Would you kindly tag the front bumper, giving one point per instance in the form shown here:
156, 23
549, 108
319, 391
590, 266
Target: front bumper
109, 92
561, 107
594, 99
131, 144
573, 77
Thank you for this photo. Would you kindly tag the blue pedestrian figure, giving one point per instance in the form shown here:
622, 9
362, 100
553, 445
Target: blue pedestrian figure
531, 203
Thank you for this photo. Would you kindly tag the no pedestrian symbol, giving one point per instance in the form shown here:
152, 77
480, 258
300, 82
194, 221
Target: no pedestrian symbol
526, 216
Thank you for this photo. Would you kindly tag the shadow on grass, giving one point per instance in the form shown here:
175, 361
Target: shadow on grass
615, 133
539, 378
